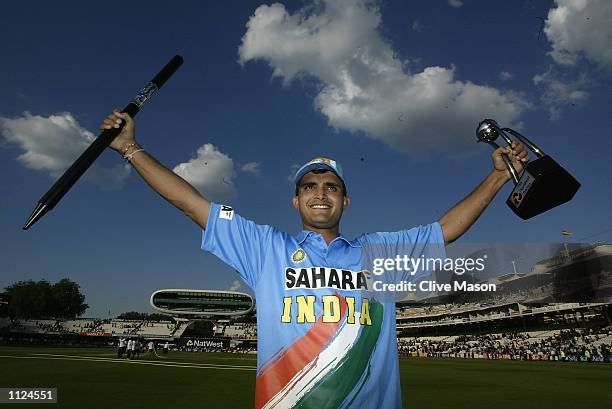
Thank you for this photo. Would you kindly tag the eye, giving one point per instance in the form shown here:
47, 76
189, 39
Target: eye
332, 188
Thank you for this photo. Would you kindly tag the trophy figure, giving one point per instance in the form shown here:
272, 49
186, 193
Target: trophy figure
544, 184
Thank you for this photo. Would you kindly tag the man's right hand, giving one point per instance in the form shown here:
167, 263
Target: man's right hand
127, 135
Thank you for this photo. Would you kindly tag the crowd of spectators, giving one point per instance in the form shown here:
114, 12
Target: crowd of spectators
50, 327
239, 330
62, 340
235, 349
566, 345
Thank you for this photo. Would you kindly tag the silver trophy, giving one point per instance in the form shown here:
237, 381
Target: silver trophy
544, 184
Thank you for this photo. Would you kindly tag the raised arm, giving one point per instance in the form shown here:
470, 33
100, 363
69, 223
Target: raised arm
458, 220
168, 184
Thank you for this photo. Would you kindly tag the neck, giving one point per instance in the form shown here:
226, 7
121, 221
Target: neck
328, 234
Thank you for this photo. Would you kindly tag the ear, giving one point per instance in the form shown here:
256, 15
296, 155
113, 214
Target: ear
295, 201
346, 201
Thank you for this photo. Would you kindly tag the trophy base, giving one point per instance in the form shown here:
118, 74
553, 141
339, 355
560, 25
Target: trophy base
543, 185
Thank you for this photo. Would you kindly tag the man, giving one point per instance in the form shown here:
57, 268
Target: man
136, 349
324, 339
121, 349
130, 345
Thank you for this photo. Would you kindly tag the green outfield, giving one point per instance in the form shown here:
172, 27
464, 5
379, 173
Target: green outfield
93, 378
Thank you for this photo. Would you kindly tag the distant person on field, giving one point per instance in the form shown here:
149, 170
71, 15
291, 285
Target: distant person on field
136, 349
130, 345
121, 349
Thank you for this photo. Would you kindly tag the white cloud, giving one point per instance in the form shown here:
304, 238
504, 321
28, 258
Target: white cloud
557, 92
52, 144
251, 167
580, 28
211, 172
455, 3
365, 87
505, 75
417, 26
235, 286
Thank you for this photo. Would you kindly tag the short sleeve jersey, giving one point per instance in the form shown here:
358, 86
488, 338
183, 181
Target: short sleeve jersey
324, 340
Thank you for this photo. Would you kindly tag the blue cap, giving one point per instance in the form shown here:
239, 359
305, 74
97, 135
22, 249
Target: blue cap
319, 163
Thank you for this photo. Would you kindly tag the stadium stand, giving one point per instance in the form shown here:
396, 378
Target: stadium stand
143, 328
239, 331
519, 322
559, 345
580, 344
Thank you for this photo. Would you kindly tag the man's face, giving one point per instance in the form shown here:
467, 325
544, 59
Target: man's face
320, 200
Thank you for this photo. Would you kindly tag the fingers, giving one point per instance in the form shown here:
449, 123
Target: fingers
115, 119
518, 152
110, 122
122, 115
500, 151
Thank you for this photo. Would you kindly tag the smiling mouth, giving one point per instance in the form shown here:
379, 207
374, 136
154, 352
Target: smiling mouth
319, 206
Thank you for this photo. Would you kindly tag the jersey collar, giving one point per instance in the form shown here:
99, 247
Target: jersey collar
305, 234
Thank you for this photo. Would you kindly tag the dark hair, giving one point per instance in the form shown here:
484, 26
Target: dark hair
318, 171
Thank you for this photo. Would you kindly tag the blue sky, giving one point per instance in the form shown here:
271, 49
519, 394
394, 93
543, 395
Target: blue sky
393, 90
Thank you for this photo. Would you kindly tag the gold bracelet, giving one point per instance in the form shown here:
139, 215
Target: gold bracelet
129, 157
127, 148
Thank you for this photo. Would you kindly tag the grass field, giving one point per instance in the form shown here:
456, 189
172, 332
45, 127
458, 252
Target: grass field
93, 378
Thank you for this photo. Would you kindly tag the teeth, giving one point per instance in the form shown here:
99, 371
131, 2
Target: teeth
320, 207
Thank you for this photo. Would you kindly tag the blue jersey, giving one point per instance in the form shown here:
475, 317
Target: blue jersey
325, 340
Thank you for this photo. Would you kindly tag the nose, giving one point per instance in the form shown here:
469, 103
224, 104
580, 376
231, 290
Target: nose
321, 192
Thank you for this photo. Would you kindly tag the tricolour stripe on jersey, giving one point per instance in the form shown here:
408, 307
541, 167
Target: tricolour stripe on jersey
350, 372
276, 374
336, 371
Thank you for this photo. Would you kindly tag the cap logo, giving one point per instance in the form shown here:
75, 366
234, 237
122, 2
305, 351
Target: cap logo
330, 162
319, 163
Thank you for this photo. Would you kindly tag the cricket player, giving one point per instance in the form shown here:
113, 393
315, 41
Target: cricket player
325, 339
